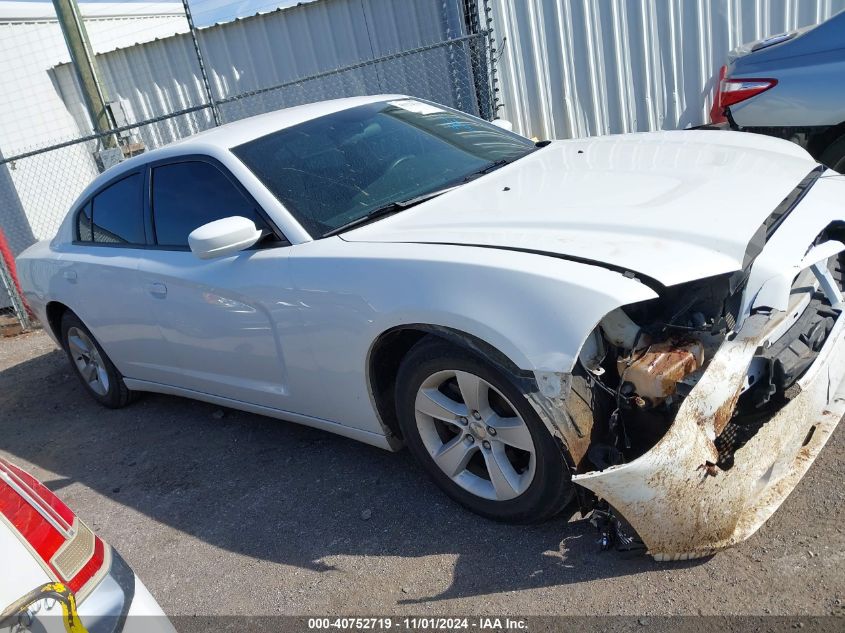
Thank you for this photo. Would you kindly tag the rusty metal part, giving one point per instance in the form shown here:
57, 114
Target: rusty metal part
655, 373
556, 401
684, 507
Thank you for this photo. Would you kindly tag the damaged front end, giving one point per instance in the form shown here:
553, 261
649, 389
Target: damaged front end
698, 412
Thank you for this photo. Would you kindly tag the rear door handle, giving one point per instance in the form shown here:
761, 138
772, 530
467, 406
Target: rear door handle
70, 275
157, 290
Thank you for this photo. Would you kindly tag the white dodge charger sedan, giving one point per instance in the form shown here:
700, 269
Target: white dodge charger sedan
651, 323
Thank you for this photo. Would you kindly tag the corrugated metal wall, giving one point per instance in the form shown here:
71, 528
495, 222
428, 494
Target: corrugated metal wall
159, 77
572, 68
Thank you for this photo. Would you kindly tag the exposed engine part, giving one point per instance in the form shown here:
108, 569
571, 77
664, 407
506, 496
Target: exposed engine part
604, 455
614, 532
641, 361
680, 381
705, 306
593, 353
786, 360
656, 372
620, 330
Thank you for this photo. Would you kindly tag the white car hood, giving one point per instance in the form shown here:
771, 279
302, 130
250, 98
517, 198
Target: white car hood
673, 206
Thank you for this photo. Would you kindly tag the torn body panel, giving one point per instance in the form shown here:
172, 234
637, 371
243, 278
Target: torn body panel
744, 419
681, 507
567, 417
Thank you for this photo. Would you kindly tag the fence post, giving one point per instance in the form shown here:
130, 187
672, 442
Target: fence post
482, 56
197, 50
12, 291
491, 50
452, 57
79, 47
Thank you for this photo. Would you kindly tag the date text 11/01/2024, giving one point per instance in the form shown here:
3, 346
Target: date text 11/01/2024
416, 624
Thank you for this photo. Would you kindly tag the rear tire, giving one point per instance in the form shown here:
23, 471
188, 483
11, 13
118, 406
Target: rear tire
92, 365
475, 433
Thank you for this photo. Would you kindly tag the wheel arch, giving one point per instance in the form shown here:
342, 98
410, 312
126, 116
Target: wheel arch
391, 346
55, 311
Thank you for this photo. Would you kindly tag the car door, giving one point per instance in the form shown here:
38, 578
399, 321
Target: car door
100, 276
226, 321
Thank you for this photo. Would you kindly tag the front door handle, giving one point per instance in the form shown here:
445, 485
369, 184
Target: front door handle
159, 291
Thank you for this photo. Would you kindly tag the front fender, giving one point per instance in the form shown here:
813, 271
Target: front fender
537, 310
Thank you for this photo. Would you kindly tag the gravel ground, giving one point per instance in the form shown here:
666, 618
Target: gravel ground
222, 512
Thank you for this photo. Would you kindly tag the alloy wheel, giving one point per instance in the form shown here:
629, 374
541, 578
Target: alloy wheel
88, 361
475, 435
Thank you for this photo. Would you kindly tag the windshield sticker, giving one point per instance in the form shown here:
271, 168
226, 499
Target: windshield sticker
417, 107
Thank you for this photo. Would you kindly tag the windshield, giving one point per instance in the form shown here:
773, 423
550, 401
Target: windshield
338, 168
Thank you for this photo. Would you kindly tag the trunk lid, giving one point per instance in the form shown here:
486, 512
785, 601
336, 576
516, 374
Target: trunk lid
672, 206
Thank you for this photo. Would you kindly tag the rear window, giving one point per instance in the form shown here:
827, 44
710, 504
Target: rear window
115, 214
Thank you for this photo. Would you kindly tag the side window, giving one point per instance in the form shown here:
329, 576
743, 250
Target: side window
187, 195
83, 224
116, 214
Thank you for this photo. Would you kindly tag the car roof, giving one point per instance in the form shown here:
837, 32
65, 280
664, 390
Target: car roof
238, 132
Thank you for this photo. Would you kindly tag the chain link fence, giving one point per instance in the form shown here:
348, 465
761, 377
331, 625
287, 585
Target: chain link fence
38, 186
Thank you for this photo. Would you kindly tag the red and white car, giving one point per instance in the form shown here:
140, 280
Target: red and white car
57, 575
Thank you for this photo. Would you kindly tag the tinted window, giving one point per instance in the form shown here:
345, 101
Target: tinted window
188, 195
117, 215
83, 224
339, 167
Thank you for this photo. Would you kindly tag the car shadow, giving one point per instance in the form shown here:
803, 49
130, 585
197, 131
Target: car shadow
279, 491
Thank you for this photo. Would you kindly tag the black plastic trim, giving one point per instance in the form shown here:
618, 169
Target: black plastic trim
123, 575
788, 205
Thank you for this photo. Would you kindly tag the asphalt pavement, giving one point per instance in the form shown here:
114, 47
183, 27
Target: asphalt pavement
223, 512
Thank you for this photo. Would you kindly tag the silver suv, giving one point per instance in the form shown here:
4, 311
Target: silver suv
792, 86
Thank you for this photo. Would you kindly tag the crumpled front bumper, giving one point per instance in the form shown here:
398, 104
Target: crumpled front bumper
684, 506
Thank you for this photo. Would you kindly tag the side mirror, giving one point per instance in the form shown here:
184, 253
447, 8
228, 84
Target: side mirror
503, 123
223, 237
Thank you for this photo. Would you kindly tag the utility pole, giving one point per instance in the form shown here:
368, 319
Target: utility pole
79, 47
205, 82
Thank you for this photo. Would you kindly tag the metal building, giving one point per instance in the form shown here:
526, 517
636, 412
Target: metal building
31, 111
572, 68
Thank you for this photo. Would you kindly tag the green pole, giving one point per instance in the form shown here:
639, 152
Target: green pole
82, 56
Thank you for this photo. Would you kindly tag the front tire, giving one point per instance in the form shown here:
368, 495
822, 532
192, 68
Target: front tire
478, 437
92, 366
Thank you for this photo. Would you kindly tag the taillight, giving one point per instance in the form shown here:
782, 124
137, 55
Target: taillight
73, 553
734, 90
